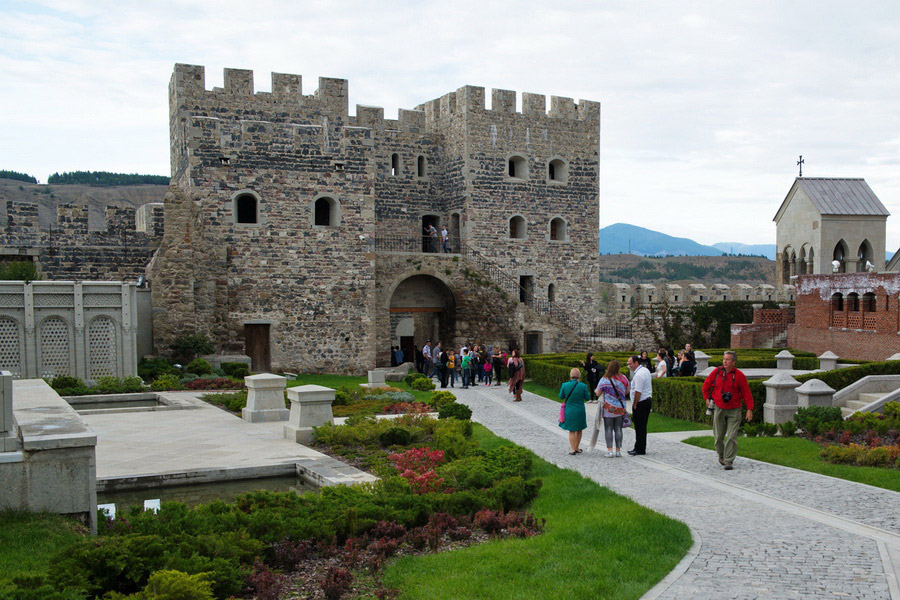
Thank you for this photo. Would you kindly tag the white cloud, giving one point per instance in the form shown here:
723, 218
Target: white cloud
706, 105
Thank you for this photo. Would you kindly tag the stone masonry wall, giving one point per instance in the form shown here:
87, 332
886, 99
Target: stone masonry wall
70, 251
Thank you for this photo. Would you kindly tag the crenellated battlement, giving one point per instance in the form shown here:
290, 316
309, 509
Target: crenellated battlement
22, 219
188, 90
624, 296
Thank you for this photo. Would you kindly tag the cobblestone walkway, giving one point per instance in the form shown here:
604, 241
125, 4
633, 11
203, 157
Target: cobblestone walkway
760, 531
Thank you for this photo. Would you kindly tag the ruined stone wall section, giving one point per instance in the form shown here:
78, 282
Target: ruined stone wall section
69, 250
621, 298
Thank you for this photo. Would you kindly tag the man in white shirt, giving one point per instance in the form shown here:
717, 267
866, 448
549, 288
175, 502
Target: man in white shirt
641, 392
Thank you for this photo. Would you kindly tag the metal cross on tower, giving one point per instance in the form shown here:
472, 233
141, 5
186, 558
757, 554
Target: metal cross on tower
800, 164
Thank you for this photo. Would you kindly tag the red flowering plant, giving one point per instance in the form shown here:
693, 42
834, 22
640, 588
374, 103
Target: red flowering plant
417, 465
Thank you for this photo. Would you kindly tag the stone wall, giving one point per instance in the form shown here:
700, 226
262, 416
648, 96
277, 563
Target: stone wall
317, 285
69, 250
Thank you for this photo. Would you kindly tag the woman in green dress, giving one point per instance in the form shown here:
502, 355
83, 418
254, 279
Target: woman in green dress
574, 394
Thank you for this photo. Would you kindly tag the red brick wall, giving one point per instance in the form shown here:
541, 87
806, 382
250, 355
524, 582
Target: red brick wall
858, 334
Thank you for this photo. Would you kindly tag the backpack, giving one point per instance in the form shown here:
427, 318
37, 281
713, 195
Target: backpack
513, 368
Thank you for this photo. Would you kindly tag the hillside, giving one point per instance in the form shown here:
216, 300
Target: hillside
97, 198
631, 239
629, 268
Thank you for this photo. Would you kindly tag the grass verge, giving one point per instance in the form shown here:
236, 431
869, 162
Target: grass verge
803, 454
596, 544
350, 381
29, 540
657, 424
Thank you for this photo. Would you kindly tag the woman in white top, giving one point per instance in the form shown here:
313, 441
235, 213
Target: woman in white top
661, 364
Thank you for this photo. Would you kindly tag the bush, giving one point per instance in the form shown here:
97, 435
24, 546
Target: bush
187, 347
198, 366
441, 398
238, 370
62, 382
422, 384
788, 428
450, 435
234, 401
412, 376
151, 368
769, 429
166, 382
820, 414
108, 385
455, 410
395, 436
213, 383
175, 585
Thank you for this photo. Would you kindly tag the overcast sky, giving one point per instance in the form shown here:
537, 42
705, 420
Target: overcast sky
706, 105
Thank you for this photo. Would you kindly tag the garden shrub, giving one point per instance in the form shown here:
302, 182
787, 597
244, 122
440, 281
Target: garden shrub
515, 492
151, 368
412, 376
213, 383
892, 409
62, 382
232, 401
422, 384
238, 370
769, 429
450, 435
198, 366
395, 436
166, 382
342, 397
441, 398
822, 414
788, 428
175, 585
187, 347
455, 410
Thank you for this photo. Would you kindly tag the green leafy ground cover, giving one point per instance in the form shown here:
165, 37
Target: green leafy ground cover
804, 454
596, 544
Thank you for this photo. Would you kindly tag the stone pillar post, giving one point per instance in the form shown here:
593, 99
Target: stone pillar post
310, 407
781, 398
7, 433
376, 379
784, 360
828, 361
702, 359
265, 398
815, 392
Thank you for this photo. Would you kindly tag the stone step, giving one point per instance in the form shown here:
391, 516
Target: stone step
870, 397
846, 412
856, 404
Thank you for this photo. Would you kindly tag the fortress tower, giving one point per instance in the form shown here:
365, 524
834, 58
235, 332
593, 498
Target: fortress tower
294, 230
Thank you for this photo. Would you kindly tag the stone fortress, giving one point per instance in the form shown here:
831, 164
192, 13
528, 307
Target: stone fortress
294, 230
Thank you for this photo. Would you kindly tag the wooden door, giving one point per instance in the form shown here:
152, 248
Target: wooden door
256, 341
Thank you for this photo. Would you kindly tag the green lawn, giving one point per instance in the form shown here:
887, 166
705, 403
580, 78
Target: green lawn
596, 544
29, 540
657, 424
803, 454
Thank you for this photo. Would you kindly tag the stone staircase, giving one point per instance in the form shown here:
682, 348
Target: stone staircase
874, 389
864, 399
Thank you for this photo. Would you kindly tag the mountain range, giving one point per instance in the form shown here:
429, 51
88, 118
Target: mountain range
621, 238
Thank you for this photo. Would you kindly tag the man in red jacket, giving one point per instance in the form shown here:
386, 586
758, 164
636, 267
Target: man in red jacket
726, 391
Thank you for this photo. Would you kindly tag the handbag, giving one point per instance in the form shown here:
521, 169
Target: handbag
562, 409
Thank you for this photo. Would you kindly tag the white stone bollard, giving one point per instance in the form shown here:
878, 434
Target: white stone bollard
376, 379
702, 359
815, 392
310, 407
781, 398
828, 361
7, 427
784, 360
265, 398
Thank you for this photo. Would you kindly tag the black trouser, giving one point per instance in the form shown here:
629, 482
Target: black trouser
641, 413
445, 375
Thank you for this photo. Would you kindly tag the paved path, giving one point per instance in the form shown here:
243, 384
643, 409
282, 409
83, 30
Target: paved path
760, 531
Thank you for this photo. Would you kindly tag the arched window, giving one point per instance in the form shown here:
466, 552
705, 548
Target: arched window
395, 165
558, 229
864, 255
517, 228
868, 302
551, 292
837, 302
853, 302
557, 170
420, 166
325, 212
810, 262
246, 209
786, 266
801, 266
839, 255
517, 167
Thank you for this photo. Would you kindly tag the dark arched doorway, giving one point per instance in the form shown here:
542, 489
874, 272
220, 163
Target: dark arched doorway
422, 308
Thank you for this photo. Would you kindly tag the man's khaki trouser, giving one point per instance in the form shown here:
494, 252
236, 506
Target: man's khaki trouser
726, 423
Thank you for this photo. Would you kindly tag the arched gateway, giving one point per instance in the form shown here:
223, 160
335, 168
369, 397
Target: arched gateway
422, 307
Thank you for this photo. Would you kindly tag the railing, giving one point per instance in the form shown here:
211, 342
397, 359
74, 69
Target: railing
416, 243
